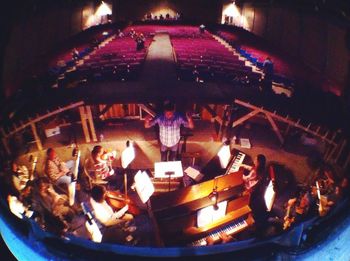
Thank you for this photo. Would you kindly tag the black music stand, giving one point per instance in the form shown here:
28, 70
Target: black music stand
168, 169
169, 173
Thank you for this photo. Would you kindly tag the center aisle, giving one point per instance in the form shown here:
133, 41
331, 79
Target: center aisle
159, 67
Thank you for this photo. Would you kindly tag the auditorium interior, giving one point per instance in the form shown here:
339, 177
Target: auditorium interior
175, 129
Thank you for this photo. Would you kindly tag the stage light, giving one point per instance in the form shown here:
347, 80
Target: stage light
103, 9
231, 10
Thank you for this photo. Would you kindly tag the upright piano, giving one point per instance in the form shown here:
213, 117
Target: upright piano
176, 212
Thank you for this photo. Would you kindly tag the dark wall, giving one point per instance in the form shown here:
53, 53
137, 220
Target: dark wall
35, 32
200, 11
313, 39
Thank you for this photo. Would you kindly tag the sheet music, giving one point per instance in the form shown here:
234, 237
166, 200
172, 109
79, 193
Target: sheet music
144, 186
194, 174
128, 155
269, 196
162, 168
208, 215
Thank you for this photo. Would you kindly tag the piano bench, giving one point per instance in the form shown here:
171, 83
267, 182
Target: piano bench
191, 155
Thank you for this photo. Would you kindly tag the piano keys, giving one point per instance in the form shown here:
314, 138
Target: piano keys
230, 229
238, 158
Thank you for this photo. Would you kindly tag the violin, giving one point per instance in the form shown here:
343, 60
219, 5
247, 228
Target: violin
109, 155
117, 200
288, 220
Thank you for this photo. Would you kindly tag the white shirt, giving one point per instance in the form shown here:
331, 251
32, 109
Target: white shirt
105, 214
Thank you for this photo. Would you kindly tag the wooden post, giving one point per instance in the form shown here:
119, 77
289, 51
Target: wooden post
224, 122
4, 141
91, 123
275, 128
346, 162
342, 146
83, 118
36, 137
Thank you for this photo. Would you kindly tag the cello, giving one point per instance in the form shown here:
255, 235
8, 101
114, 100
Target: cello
118, 200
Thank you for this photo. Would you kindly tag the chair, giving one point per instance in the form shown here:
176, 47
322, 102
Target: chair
89, 174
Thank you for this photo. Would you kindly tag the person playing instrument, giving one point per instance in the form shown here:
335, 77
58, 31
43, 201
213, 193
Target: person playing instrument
169, 130
58, 171
49, 200
256, 172
224, 238
297, 209
104, 212
20, 176
100, 165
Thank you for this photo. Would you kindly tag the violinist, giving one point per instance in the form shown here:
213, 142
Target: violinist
297, 209
100, 164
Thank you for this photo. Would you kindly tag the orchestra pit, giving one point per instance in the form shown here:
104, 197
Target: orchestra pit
159, 129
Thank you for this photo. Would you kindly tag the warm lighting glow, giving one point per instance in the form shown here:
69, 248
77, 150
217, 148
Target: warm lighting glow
224, 155
208, 215
103, 9
232, 15
91, 21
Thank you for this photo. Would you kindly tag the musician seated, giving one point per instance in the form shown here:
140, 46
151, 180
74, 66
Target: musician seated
20, 176
297, 209
59, 172
256, 172
48, 200
224, 238
104, 212
18, 208
99, 166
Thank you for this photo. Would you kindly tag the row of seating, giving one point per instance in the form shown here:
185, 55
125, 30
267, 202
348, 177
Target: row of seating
256, 55
206, 59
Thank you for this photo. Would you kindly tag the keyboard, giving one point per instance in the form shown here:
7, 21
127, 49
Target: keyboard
237, 162
230, 229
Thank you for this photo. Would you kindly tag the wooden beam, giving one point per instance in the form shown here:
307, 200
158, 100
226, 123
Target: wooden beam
213, 114
245, 117
224, 122
40, 118
346, 162
287, 121
147, 109
4, 141
105, 109
342, 146
91, 123
275, 128
36, 137
84, 123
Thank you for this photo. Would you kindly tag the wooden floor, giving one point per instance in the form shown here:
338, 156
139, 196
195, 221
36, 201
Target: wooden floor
294, 156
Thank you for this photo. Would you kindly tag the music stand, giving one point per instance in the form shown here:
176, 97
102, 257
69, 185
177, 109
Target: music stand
168, 169
128, 155
269, 196
224, 155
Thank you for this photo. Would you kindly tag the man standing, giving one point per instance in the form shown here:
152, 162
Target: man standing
169, 130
